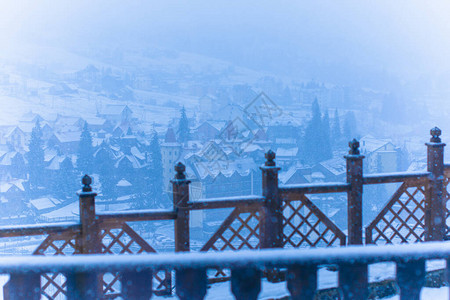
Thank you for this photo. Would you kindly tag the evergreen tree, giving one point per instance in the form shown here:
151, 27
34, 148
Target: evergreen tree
313, 136
35, 157
336, 134
156, 170
85, 152
350, 131
183, 127
66, 182
107, 179
286, 96
326, 148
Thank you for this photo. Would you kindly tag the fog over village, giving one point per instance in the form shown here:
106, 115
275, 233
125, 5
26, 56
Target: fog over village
125, 91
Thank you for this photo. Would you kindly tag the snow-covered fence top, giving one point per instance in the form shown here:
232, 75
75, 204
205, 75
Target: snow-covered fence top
246, 269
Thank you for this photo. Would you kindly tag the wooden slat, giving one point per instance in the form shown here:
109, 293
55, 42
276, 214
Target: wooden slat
410, 279
136, 285
302, 282
39, 229
313, 188
396, 177
246, 283
215, 203
190, 283
137, 215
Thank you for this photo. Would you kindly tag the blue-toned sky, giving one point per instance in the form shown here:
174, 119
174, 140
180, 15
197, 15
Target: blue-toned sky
333, 40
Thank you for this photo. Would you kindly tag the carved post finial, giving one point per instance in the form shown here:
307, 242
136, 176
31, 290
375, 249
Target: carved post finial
180, 169
86, 181
435, 135
270, 156
354, 147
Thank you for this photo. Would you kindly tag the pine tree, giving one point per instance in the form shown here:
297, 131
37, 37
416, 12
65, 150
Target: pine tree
183, 127
106, 174
35, 158
156, 169
327, 151
350, 130
313, 136
85, 152
67, 179
336, 134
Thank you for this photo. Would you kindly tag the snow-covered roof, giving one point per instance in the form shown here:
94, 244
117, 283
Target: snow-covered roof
6, 159
287, 152
44, 203
95, 121
133, 160
123, 183
285, 141
114, 109
6, 186
337, 166
55, 163
370, 144
13, 130
136, 153
225, 167
68, 137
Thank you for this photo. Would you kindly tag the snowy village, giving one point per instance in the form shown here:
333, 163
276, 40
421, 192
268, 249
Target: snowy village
225, 151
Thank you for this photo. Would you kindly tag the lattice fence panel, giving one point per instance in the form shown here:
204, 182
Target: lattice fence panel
240, 230
305, 225
53, 285
122, 239
447, 204
402, 220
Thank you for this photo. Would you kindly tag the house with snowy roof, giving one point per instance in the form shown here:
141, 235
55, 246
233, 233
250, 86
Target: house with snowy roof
65, 142
15, 138
12, 166
205, 132
286, 156
31, 117
116, 113
219, 178
333, 170
381, 155
295, 175
96, 124
12, 201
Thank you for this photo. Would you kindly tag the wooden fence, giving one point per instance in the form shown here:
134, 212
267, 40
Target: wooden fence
135, 272
282, 217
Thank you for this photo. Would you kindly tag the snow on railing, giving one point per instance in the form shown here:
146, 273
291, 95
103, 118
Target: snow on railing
246, 269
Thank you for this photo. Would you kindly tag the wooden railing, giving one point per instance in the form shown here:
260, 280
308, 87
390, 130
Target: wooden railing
135, 272
282, 217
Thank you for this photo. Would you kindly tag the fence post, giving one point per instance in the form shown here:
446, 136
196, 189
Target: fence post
86, 285
435, 206
23, 286
354, 196
271, 222
180, 201
353, 281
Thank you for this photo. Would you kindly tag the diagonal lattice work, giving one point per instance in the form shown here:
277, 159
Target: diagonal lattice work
240, 230
446, 195
53, 285
305, 225
402, 220
122, 239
